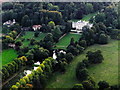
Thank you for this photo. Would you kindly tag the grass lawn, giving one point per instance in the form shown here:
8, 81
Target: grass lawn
64, 42
7, 56
86, 17
29, 35
108, 70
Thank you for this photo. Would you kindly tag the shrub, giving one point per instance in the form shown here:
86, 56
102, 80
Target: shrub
36, 34
87, 85
103, 85
95, 57
63, 66
22, 81
30, 86
86, 62
83, 43
69, 57
103, 39
77, 87
82, 74
14, 87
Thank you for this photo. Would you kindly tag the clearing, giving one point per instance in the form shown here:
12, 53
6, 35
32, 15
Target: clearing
30, 35
7, 56
65, 41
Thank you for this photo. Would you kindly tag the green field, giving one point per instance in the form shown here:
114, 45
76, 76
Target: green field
29, 35
7, 56
65, 41
108, 70
85, 17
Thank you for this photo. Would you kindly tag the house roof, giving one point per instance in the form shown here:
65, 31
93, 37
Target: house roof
36, 26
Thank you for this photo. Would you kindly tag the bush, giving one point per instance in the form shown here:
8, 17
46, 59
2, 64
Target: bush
36, 34
83, 43
22, 81
80, 65
86, 62
81, 49
77, 87
14, 87
103, 39
103, 84
82, 74
69, 57
87, 85
63, 66
115, 87
95, 57
18, 43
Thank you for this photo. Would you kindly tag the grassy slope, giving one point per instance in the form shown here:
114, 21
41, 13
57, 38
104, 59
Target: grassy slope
105, 71
7, 56
85, 18
30, 34
88, 17
66, 40
108, 70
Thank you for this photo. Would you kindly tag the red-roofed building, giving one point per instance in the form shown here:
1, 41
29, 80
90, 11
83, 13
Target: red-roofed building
36, 27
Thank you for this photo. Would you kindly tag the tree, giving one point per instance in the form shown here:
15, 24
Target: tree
30, 86
9, 39
95, 57
119, 15
56, 33
47, 41
87, 85
89, 8
36, 34
83, 43
36, 82
68, 26
7, 5
22, 81
14, 87
48, 37
72, 50
103, 85
81, 49
18, 43
103, 39
63, 66
100, 17
80, 66
72, 41
32, 41
69, 57
51, 24
86, 62
25, 21
5, 73
82, 74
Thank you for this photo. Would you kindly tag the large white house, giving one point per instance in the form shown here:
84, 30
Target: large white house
79, 25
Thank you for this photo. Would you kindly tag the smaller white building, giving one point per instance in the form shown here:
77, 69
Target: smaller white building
37, 63
27, 72
54, 55
36, 27
9, 23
